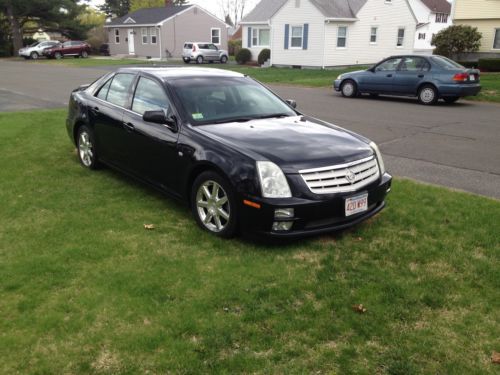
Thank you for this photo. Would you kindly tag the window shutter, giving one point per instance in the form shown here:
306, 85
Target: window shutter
306, 34
287, 32
249, 37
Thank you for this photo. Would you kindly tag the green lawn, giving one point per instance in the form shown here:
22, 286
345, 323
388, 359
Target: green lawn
84, 288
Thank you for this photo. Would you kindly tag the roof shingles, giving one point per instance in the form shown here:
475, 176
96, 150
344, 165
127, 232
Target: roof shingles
149, 16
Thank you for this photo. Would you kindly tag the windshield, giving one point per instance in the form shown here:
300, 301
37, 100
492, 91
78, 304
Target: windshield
446, 63
208, 100
34, 44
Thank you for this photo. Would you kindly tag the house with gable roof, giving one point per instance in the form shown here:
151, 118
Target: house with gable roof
161, 32
432, 16
327, 33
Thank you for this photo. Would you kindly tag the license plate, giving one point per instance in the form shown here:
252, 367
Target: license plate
472, 77
354, 205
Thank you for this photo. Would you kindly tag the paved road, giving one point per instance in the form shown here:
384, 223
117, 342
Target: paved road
451, 145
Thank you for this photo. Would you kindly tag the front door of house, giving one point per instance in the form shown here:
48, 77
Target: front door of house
131, 49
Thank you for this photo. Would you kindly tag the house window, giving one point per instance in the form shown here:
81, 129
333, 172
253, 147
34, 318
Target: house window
421, 36
373, 35
144, 34
441, 18
496, 40
117, 36
401, 37
152, 32
342, 36
215, 36
296, 37
260, 37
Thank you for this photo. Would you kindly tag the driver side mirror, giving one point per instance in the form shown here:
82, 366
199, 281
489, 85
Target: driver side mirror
292, 103
161, 117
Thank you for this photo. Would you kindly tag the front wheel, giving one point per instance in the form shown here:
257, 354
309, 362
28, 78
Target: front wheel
427, 95
451, 99
34, 55
58, 55
85, 144
349, 89
213, 204
223, 59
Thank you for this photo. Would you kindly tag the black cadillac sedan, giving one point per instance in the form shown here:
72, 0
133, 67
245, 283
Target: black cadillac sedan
238, 154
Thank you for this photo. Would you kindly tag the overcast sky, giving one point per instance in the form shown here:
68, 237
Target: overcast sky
210, 5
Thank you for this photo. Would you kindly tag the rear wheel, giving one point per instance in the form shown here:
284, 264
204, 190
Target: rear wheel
349, 89
213, 204
85, 54
199, 60
451, 99
34, 55
223, 59
427, 95
186, 61
85, 144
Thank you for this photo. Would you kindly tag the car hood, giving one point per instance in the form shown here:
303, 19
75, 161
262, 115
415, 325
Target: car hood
355, 72
293, 143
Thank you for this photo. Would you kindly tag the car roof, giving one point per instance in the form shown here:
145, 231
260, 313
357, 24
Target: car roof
180, 72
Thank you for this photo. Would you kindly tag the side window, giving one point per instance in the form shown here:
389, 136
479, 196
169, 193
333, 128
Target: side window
390, 64
119, 89
414, 64
149, 96
103, 91
213, 47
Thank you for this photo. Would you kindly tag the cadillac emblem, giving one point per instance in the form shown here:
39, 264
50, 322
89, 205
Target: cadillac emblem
350, 176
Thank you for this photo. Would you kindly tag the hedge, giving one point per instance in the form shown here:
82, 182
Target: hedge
264, 55
243, 56
489, 65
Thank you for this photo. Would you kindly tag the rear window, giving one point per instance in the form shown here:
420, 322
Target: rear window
119, 90
188, 45
446, 63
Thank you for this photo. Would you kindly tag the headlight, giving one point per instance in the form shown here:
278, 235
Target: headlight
272, 180
340, 76
379, 157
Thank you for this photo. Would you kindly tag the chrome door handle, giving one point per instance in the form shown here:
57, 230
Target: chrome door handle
129, 126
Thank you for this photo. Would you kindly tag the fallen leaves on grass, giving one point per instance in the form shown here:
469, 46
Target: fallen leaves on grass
495, 358
359, 308
149, 226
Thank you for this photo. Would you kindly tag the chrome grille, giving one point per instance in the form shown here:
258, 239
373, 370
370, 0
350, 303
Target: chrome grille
342, 178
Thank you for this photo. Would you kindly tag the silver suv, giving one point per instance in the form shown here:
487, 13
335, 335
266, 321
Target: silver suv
35, 50
200, 52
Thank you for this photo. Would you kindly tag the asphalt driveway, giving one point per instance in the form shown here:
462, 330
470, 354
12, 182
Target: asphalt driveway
456, 145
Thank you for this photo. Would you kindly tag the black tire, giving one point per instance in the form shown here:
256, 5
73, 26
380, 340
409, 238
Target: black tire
85, 54
209, 216
451, 99
349, 89
58, 55
428, 95
34, 55
187, 61
199, 60
89, 160
223, 59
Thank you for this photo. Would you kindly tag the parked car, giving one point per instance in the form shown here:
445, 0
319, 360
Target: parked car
242, 157
74, 48
429, 78
200, 52
35, 50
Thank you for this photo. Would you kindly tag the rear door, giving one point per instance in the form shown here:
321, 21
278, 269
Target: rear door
152, 148
213, 52
381, 78
412, 71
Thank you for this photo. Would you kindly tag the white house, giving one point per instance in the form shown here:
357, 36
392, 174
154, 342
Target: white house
432, 16
325, 33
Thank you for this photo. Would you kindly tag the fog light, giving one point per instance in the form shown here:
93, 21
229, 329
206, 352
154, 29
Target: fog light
283, 213
282, 225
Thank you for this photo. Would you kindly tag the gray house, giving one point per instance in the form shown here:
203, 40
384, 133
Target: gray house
161, 32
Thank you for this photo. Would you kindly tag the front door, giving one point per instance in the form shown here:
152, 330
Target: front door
131, 48
381, 78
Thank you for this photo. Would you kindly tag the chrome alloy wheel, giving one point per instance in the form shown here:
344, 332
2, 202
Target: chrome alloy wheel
213, 206
85, 149
427, 95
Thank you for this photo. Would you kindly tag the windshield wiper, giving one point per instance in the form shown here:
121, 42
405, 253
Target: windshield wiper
274, 115
233, 119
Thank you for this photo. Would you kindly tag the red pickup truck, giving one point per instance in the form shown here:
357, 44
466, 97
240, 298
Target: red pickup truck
70, 48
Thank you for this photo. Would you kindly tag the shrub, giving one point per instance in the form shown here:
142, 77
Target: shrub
456, 39
264, 55
489, 65
234, 46
244, 55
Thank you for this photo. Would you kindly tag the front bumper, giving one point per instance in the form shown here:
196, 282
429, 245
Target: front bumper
470, 89
24, 53
312, 217
336, 84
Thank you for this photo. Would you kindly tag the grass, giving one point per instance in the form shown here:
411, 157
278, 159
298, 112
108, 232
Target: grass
84, 288
490, 92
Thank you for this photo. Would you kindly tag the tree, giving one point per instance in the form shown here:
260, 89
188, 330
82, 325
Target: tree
115, 7
92, 17
49, 13
139, 4
233, 9
456, 39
